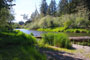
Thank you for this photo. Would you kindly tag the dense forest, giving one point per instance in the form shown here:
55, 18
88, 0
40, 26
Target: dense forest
69, 14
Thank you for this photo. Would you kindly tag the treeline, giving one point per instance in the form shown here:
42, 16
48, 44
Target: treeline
63, 7
67, 13
6, 15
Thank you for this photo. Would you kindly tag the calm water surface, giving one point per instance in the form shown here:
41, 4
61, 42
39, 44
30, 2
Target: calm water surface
38, 33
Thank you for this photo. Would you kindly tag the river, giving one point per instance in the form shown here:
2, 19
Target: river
39, 33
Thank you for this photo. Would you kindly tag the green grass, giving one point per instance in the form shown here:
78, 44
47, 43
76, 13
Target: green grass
63, 29
18, 46
59, 29
60, 49
56, 39
69, 32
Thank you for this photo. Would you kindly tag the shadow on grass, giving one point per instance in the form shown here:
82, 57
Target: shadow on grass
57, 55
20, 53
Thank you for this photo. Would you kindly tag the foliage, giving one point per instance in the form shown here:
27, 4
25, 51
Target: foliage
69, 14
35, 15
77, 30
16, 25
6, 15
16, 38
57, 39
43, 8
62, 40
63, 7
67, 21
44, 22
31, 34
6, 4
59, 29
63, 29
48, 38
5, 19
52, 8
18, 46
21, 22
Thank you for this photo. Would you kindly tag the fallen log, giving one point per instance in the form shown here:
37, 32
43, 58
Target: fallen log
78, 39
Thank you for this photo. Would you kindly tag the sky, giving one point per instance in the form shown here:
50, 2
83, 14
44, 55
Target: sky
26, 7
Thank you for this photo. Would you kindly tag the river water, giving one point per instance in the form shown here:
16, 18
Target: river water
36, 33
39, 33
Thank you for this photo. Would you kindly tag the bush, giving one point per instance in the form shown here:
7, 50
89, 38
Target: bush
68, 21
57, 39
48, 38
62, 40
31, 34
77, 31
59, 29
69, 30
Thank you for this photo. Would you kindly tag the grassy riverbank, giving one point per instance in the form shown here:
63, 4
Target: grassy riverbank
18, 46
62, 29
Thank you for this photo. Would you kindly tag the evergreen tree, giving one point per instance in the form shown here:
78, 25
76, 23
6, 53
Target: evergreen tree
52, 8
87, 2
63, 7
73, 5
34, 15
43, 8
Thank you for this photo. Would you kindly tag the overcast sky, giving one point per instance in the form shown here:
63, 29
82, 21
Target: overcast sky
26, 7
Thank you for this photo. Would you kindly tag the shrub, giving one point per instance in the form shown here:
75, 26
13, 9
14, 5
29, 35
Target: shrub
76, 31
57, 39
69, 30
62, 40
59, 29
48, 38
31, 34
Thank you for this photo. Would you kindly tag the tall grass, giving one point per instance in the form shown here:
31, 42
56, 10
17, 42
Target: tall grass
62, 40
57, 39
48, 38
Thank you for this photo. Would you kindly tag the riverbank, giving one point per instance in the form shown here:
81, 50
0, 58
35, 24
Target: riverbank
78, 53
62, 29
53, 52
16, 45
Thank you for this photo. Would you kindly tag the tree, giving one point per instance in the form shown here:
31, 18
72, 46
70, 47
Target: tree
35, 15
52, 8
5, 17
63, 7
5, 14
21, 22
43, 8
6, 4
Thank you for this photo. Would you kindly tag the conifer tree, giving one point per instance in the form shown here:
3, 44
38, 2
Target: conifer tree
63, 7
43, 8
52, 8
